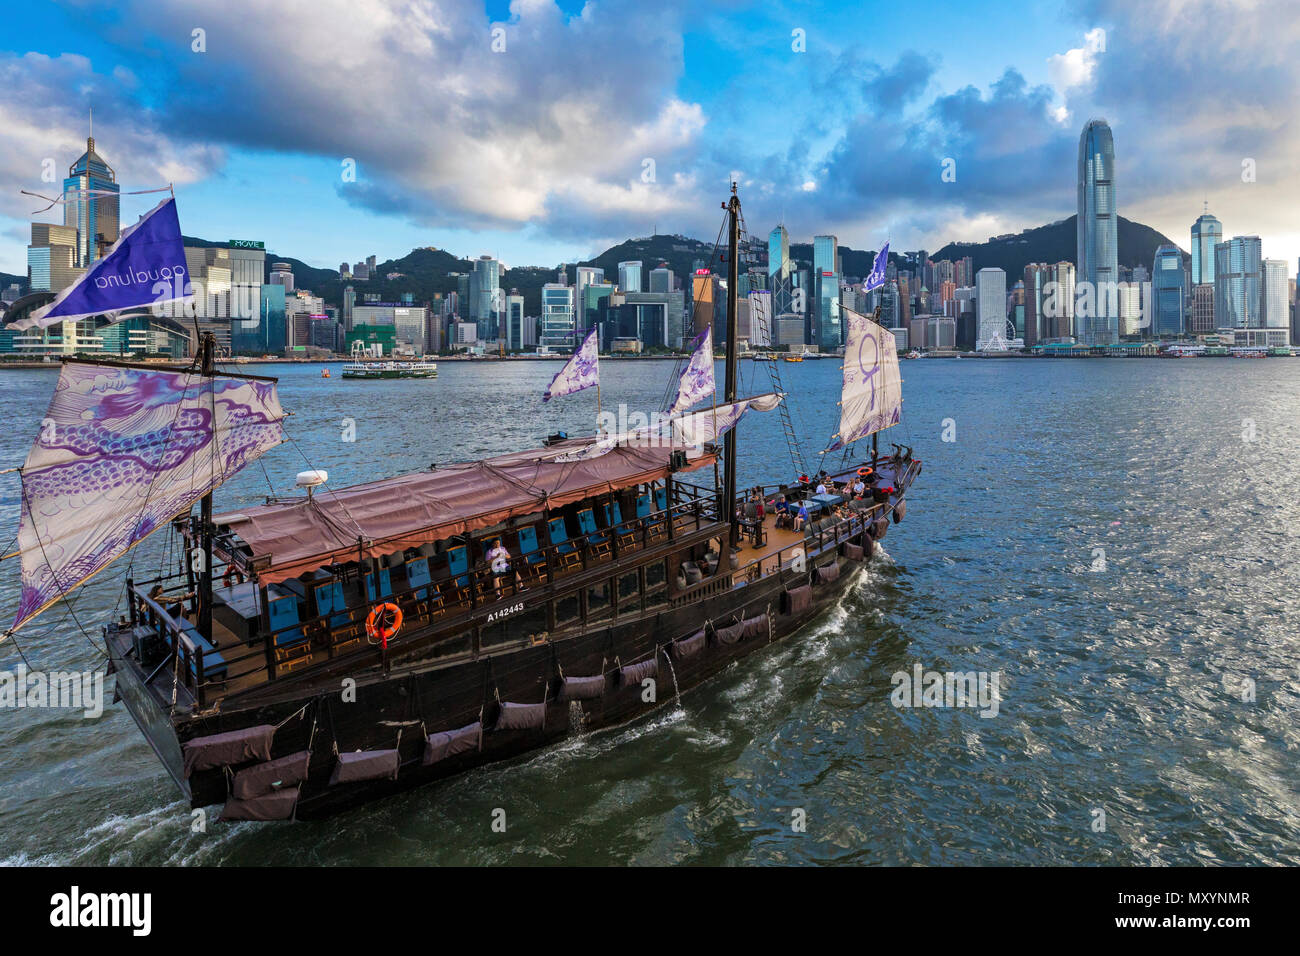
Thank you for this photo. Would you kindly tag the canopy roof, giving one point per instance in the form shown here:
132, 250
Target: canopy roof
380, 517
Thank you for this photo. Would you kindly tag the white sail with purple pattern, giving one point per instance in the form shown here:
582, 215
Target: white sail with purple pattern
123, 450
692, 430
697, 382
579, 372
872, 393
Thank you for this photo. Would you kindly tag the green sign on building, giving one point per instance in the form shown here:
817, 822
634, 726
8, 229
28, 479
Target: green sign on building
246, 244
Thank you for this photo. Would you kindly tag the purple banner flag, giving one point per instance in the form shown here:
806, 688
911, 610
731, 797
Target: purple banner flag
878, 267
697, 381
581, 371
146, 266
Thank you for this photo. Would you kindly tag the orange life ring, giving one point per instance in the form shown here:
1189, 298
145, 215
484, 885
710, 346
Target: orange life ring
378, 626
863, 472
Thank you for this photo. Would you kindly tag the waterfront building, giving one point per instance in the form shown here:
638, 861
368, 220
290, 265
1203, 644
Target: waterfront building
1274, 306
990, 306
1168, 292
485, 302
52, 257
1202, 313
520, 331
826, 329
1237, 283
1097, 234
1129, 302
558, 329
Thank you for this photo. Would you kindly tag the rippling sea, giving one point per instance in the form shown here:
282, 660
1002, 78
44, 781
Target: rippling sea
1118, 539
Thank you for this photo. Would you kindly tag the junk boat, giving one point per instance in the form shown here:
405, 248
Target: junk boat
474, 611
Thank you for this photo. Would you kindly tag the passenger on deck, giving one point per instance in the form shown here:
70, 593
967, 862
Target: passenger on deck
782, 511
859, 488
801, 517
499, 558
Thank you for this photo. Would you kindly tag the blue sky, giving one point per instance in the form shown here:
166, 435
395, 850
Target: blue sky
538, 152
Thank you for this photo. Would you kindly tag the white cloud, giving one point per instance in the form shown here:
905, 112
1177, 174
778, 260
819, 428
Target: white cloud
447, 126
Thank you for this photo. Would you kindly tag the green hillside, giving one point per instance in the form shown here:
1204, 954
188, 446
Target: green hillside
1055, 242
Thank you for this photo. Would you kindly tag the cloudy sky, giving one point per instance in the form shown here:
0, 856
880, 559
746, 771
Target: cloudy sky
541, 131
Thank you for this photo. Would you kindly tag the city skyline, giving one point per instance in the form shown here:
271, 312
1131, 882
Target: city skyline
859, 148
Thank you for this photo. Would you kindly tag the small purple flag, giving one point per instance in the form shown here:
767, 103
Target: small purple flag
579, 372
878, 267
146, 266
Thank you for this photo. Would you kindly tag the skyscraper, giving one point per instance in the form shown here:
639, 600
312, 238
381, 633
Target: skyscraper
485, 302
1274, 303
990, 306
1207, 232
825, 331
1202, 321
661, 279
1237, 265
282, 274
558, 328
1097, 234
629, 276
96, 218
583, 277
1168, 292
1036, 277
52, 257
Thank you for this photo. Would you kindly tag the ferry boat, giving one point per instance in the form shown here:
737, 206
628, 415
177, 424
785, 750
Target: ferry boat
477, 610
792, 357
914, 354
390, 369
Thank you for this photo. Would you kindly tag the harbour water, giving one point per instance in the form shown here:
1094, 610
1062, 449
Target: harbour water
1117, 540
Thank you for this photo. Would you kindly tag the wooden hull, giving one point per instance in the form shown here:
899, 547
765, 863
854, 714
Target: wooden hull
416, 701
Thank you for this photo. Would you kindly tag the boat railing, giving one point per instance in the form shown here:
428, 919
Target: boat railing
814, 545
188, 650
449, 604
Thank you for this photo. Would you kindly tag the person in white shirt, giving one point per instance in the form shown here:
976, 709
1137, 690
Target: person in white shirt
499, 558
821, 488
859, 488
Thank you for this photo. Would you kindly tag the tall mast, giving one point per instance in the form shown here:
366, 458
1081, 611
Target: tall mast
207, 346
733, 280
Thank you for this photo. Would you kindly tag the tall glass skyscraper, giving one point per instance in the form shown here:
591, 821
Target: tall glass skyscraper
1207, 232
1098, 234
1237, 266
826, 323
629, 276
1168, 291
558, 328
486, 304
96, 218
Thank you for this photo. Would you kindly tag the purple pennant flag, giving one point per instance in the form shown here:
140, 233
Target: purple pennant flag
878, 267
581, 371
146, 266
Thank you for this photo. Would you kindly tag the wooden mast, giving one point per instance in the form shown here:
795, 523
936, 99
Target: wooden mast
207, 346
733, 280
